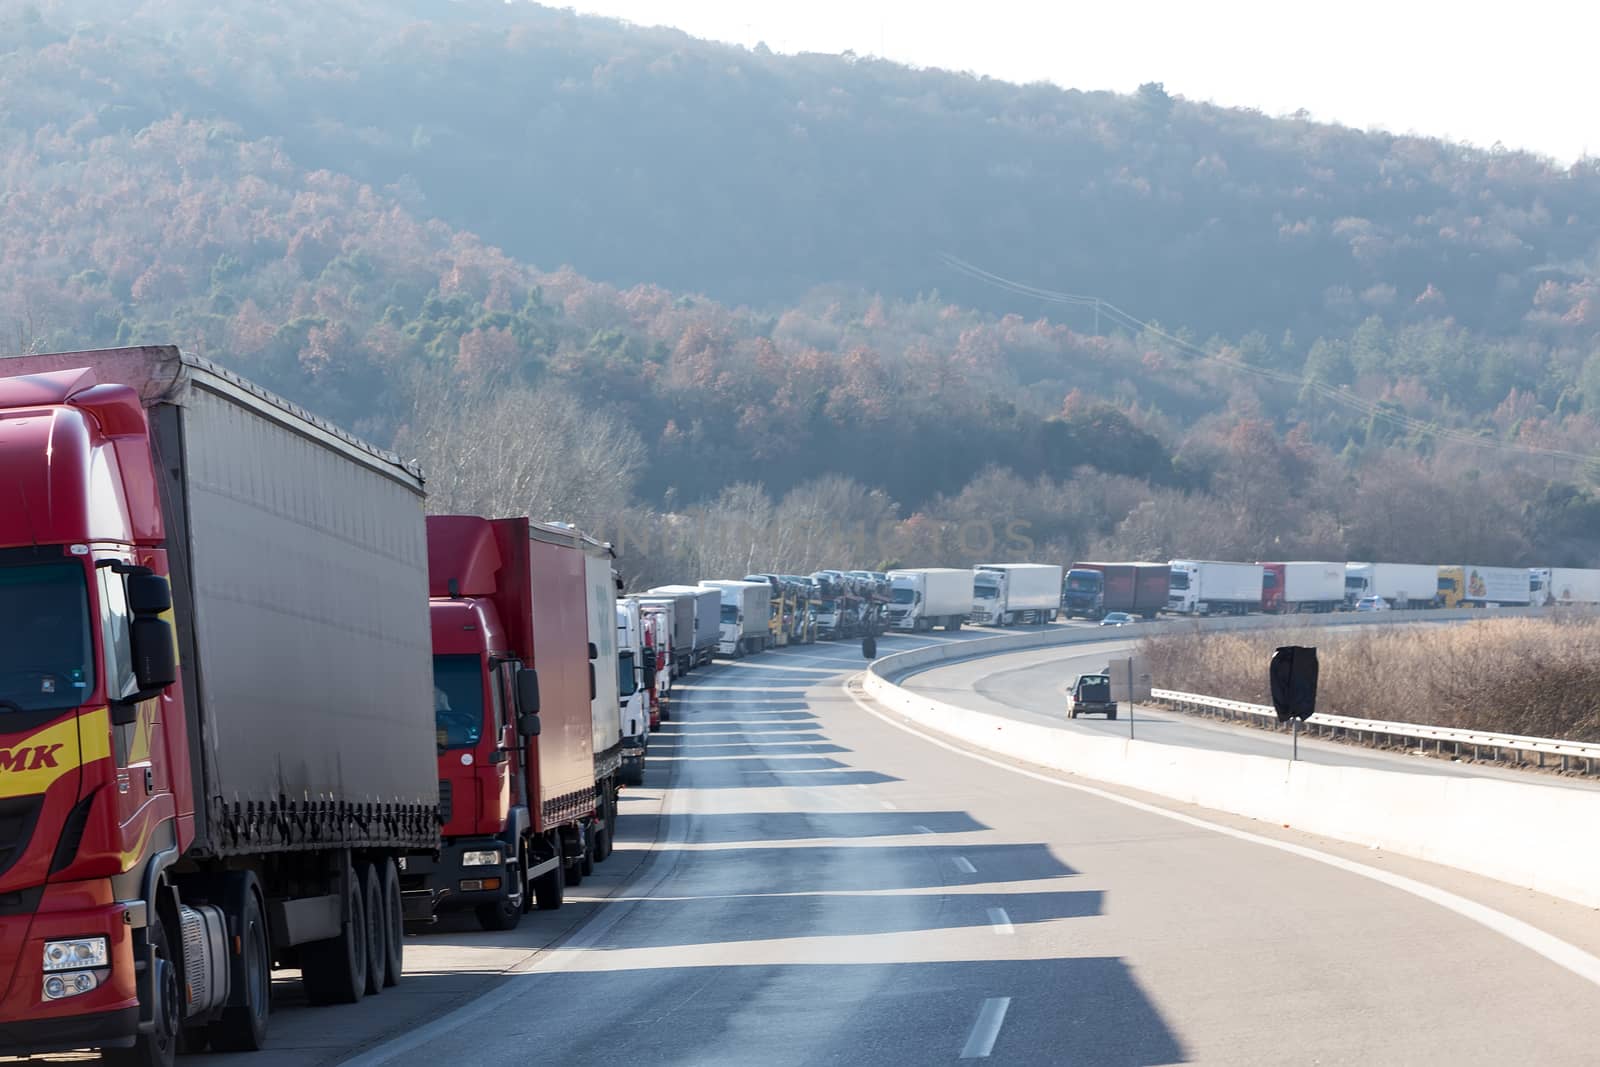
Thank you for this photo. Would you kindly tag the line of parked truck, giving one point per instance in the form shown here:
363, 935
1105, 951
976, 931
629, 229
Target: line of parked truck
223, 618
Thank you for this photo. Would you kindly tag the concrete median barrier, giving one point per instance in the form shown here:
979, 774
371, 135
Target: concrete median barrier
1527, 834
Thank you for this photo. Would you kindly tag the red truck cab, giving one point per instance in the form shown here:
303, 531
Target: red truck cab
87, 792
519, 804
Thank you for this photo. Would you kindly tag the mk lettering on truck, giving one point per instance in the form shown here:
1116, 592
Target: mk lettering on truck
175, 683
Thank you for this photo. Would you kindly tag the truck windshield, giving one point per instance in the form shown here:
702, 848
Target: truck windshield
1269, 579
985, 590
827, 607
627, 684
730, 613
46, 653
904, 594
1353, 584
1447, 585
1180, 579
457, 700
1082, 583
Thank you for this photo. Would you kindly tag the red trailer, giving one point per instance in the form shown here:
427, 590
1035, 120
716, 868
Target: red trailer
507, 598
1136, 588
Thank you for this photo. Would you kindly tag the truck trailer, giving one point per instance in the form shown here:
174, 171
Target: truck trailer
1482, 587
1006, 593
1212, 587
214, 705
1288, 588
1563, 585
929, 597
1092, 590
511, 703
1403, 585
707, 619
746, 617
679, 608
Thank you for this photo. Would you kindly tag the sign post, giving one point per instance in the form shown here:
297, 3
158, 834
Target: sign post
1293, 677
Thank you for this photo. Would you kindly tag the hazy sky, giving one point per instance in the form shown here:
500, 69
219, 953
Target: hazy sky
1517, 73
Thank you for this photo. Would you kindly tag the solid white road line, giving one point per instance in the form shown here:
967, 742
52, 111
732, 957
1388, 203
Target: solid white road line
889, 805
1001, 921
984, 1032
964, 865
1562, 953
922, 829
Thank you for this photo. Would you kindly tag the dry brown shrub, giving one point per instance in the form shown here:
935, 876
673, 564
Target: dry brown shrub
1539, 677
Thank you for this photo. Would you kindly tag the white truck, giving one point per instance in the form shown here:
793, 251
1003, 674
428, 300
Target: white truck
707, 619
929, 597
1301, 586
1403, 585
746, 617
630, 689
1006, 593
1564, 585
1212, 587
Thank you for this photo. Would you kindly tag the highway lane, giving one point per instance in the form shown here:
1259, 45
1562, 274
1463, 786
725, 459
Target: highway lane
1031, 687
827, 887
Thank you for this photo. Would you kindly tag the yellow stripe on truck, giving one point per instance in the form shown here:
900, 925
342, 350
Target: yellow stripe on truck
30, 766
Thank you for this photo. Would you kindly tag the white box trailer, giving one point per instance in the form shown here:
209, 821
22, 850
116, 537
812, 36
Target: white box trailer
1564, 585
1483, 586
927, 597
1302, 585
1403, 585
1004, 593
1214, 587
746, 616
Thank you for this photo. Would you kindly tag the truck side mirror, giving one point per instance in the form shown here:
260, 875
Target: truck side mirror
593, 692
594, 653
649, 677
527, 691
528, 724
149, 594
155, 664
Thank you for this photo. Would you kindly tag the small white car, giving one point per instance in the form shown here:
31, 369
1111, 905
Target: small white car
1372, 603
1118, 618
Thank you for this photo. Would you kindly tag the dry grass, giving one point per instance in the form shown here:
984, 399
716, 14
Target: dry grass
1539, 677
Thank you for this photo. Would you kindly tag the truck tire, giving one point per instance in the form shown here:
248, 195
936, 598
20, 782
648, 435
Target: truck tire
586, 863
377, 930
243, 1027
1112, 714
160, 1047
334, 971
952, 625
550, 888
394, 918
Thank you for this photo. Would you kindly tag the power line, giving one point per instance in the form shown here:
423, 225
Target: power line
1337, 394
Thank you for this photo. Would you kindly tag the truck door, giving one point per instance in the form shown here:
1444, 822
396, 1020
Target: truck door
503, 761
143, 783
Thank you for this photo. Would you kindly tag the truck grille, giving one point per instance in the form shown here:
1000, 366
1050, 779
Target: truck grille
444, 800
17, 818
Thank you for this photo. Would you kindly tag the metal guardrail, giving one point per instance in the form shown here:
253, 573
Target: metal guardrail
1461, 742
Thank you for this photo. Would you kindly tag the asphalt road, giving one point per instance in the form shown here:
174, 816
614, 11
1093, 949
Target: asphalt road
809, 881
1031, 687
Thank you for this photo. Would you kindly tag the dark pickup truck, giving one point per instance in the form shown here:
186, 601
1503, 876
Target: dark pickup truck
1091, 695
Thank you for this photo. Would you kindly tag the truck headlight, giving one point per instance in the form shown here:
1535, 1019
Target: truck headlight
75, 953
488, 858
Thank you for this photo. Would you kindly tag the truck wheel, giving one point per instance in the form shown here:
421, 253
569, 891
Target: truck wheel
160, 1047
394, 920
334, 971
243, 1027
575, 864
586, 865
377, 929
1112, 714
952, 625
550, 888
